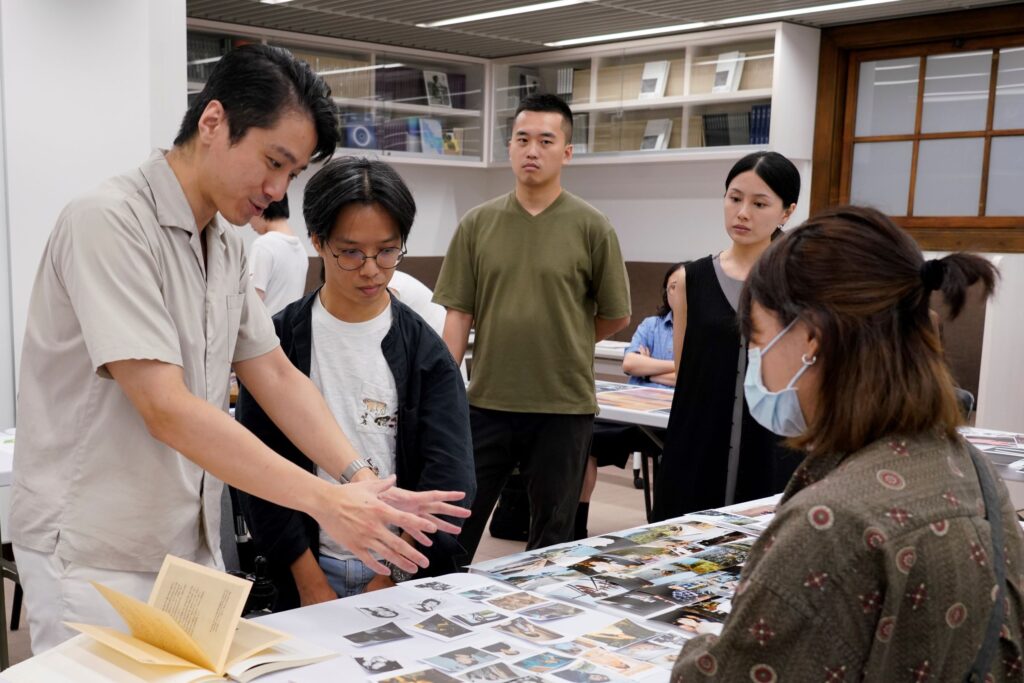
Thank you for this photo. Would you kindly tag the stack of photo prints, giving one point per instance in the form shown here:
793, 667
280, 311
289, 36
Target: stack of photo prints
609, 608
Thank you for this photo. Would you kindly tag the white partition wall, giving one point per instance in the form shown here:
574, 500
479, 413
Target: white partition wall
89, 88
1002, 364
6, 335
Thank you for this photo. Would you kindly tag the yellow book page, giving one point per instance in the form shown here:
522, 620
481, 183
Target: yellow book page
139, 650
250, 639
157, 628
206, 603
84, 660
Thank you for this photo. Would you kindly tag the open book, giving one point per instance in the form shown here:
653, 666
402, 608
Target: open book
190, 631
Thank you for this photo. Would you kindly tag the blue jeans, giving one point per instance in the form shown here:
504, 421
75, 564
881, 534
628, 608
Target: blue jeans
346, 577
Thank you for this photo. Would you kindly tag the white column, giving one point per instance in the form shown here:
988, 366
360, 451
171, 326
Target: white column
88, 89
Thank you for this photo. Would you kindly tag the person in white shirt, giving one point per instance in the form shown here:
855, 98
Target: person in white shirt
278, 261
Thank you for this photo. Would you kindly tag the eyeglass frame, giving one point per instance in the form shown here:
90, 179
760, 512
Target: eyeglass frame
402, 251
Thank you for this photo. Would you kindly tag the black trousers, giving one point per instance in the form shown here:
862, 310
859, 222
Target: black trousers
551, 453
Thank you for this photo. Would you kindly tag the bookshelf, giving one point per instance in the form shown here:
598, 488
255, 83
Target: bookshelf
701, 96
404, 106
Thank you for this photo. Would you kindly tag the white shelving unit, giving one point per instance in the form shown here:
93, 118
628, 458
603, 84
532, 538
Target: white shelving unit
779, 71
780, 64
380, 91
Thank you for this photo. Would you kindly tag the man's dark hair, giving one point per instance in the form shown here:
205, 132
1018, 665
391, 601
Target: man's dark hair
276, 210
355, 180
256, 84
543, 103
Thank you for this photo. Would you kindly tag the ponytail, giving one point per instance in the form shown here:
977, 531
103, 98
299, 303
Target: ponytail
954, 274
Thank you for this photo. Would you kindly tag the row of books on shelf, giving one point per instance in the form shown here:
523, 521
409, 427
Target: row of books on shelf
420, 134
734, 128
421, 86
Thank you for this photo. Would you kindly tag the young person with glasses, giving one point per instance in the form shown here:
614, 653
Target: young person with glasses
387, 377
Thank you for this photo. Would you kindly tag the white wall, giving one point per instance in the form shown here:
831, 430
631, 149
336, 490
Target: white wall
89, 88
6, 331
661, 212
1002, 365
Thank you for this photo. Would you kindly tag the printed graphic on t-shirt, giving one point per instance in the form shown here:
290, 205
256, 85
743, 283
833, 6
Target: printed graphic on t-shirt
376, 415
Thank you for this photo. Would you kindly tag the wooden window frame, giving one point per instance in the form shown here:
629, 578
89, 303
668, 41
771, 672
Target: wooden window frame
842, 51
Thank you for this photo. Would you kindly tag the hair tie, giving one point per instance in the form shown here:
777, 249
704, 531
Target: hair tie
933, 272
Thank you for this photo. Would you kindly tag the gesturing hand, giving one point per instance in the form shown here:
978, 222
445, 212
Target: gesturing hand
427, 505
357, 515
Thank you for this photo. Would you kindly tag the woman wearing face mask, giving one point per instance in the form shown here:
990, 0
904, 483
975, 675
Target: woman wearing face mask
895, 554
715, 454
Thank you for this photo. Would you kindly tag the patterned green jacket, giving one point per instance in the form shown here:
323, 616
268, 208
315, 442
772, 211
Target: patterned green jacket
877, 567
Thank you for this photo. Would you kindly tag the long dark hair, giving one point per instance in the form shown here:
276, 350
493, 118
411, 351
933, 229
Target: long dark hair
863, 287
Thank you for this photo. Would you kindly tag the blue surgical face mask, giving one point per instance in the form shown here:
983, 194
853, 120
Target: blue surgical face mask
777, 411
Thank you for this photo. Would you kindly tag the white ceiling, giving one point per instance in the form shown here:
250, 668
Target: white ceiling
393, 22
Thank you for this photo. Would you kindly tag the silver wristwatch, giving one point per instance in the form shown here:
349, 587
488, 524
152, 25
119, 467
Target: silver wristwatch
355, 466
397, 575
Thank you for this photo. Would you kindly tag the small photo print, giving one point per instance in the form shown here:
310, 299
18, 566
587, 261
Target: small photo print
603, 564
570, 647
504, 649
479, 618
703, 617
544, 662
461, 659
550, 612
378, 664
484, 592
620, 634
492, 672
522, 628
515, 601
425, 676
425, 606
380, 612
646, 650
585, 672
439, 627
385, 633
620, 664
639, 603
439, 586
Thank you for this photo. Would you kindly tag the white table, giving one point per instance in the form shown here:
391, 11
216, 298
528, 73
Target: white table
647, 408
324, 625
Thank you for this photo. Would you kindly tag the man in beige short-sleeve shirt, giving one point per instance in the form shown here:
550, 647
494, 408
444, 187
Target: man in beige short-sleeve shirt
141, 306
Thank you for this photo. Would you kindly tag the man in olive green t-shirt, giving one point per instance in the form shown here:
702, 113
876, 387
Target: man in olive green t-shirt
540, 274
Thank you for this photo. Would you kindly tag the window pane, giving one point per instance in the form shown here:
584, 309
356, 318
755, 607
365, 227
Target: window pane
887, 97
1010, 89
881, 175
948, 177
956, 92
1005, 170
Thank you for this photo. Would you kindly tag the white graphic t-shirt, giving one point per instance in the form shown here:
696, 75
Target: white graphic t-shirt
348, 367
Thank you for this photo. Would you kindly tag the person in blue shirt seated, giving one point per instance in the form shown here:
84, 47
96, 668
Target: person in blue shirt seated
649, 363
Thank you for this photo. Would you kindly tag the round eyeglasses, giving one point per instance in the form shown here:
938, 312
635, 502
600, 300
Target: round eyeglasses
353, 259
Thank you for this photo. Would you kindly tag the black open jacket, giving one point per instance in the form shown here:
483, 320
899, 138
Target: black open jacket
434, 448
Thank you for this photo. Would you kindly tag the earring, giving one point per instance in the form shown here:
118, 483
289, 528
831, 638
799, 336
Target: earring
808, 361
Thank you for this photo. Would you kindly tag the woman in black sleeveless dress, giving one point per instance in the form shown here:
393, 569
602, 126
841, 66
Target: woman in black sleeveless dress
715, 453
